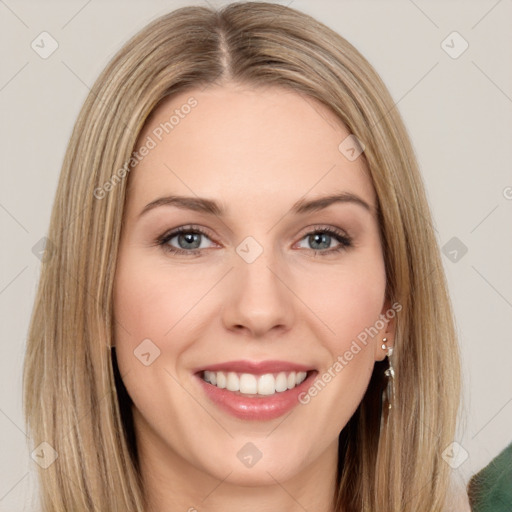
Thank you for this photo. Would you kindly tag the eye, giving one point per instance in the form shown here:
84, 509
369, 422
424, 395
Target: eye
188, 240
321, 240
192, 240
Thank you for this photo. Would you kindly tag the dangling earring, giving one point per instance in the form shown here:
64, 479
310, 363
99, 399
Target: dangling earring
387, 395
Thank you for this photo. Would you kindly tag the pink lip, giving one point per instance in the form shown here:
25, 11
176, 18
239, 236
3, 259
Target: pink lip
255, 367
261, 408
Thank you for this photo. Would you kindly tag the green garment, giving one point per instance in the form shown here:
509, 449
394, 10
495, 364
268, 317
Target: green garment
490, 490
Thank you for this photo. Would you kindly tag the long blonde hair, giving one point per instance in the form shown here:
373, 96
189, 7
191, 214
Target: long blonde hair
73, 396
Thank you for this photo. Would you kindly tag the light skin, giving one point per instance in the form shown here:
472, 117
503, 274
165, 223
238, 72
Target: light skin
256, 152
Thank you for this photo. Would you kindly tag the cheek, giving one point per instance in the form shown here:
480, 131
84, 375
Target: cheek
163, 303
348, 299
153, 303
145, 308
349, 303
149, 300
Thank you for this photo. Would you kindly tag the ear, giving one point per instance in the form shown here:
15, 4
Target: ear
388, 330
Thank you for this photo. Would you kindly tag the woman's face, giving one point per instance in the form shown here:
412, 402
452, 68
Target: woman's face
261, 289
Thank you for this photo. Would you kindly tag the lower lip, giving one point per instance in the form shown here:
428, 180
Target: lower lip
256, 408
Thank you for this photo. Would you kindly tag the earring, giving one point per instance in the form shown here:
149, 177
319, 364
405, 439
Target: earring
387, 395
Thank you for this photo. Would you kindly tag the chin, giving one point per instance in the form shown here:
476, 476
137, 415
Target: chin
259, 475
250, 467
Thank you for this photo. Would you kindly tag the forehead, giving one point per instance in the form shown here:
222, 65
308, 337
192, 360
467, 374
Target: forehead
243, 145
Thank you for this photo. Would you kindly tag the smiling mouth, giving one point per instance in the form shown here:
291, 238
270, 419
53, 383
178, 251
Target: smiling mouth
255, 390
252, 385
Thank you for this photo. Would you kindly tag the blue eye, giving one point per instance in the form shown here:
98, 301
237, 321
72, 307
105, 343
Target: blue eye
321, 239
190, 241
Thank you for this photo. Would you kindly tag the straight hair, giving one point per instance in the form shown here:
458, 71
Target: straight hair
74, 399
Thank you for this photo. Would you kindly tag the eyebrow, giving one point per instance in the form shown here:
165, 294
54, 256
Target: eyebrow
211, 207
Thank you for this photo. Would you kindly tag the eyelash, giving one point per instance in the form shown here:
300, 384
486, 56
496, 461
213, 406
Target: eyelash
345, 241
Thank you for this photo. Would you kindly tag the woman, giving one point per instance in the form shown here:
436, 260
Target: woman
246, 305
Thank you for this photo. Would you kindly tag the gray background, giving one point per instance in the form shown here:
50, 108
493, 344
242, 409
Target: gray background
459, 115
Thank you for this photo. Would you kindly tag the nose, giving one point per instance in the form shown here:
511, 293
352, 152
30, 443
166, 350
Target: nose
259, 299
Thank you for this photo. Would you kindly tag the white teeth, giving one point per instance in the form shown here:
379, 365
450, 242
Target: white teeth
266, 384
210, 377
281, 382
249, 384
221, 380
291, 380
232, 382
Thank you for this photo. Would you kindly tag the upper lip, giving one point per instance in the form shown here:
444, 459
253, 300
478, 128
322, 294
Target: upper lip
255, 367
